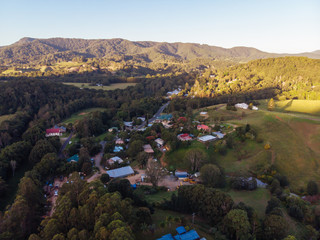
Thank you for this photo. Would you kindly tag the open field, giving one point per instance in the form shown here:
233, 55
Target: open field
159, 196
81, 114
300, 106
105, 88
294, 139
257, 199
6, 117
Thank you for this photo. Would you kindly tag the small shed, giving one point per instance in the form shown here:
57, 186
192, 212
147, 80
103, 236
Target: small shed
148, 149
206, 138
120, 172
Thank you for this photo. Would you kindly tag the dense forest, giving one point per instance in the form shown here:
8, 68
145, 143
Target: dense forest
287, 78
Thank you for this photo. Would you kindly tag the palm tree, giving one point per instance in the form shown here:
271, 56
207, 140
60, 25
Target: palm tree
144, 227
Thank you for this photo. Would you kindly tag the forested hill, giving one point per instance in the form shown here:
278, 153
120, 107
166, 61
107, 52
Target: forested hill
289, 77
30, 50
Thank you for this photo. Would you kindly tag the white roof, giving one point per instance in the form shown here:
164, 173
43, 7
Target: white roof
206, 138
128, 124
120, 172
203, 113
116, 159
219, 134
241, 105
159, 141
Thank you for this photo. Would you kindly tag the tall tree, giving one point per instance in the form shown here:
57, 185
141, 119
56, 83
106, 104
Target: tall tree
155, 172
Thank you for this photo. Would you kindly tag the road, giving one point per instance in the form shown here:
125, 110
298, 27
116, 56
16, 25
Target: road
154, 116
65, 145
97, 161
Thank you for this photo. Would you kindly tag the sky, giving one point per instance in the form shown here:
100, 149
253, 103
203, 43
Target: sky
279, 26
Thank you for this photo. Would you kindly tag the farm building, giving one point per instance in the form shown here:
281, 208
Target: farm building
206, 138
179, 174
120, 172
116, 159
160, 142
219, 135
53, 132
203, 127
148, 149
203, 113
74, 158
184, 137
182, 235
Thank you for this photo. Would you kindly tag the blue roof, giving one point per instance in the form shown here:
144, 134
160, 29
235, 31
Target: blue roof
166, 237
120, 172
74, 158
191, 235
165, 117
181, 174
117, 149
180, 230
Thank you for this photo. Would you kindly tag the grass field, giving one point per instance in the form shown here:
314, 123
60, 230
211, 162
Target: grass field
105, 88
300, 106
159, 196
257, 199
6, 117
81, 114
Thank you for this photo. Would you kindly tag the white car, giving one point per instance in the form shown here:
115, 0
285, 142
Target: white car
56, 192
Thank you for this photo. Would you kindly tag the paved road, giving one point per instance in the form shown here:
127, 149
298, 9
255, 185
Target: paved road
154, 116
65, 145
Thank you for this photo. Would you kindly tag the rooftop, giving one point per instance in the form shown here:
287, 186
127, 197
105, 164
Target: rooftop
120, 172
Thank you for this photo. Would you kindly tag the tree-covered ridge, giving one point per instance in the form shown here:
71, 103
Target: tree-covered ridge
29, 50
289, 77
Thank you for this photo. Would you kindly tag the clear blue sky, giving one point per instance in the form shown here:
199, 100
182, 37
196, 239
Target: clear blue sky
271, 25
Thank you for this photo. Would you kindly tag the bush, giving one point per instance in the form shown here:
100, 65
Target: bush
267, 146
312, 188
105, 178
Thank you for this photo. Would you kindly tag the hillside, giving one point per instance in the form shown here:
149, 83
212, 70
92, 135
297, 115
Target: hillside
287, 77
31, 50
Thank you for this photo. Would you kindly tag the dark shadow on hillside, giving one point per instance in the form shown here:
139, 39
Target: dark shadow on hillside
289, 104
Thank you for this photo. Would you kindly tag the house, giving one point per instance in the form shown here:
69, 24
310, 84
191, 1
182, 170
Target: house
165, 117
206, 138
203, 127
203, 113
160, 142
128, 125
117, 149
219, 135
183, 234
74, 158
53, 132
181, 175
115, 159
167, 124
119, 141
148, 149
62, 128
241, 105
141, 118
255, 108
120, 172
184, 137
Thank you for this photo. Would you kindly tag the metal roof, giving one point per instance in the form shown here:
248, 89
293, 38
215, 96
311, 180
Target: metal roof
120, 172
206, 138
191, 235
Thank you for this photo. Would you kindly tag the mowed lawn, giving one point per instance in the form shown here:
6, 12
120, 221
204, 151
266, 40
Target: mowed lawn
105, 88
81, 114
159, 196
257, 199
300, 106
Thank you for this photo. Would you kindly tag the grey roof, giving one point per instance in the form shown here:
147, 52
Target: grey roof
120, 172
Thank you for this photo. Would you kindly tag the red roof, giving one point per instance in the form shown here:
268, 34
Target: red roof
53, 130
202, 126
182, 119
184, 135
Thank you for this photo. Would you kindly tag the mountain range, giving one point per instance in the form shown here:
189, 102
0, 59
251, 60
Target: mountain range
33, 50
